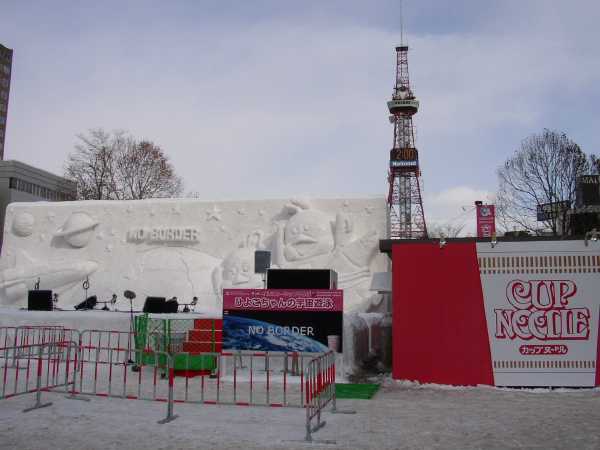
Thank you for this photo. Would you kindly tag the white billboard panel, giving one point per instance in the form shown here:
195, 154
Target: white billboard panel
542, 304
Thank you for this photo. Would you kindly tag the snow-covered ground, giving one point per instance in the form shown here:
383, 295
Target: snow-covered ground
402, 415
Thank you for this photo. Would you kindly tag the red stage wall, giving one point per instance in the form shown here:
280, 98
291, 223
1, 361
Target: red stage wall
439, 326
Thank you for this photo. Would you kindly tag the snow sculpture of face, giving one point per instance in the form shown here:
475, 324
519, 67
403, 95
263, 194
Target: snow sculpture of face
238, 268
307, 234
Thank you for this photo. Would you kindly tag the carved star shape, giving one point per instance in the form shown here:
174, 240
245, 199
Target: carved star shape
213, 214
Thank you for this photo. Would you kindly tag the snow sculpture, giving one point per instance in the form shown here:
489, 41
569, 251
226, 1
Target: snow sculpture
186, 247
16, 281
237, 269
23, 224
310, 240
77, 230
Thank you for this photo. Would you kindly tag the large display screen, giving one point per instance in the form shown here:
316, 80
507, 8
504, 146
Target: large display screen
290, 320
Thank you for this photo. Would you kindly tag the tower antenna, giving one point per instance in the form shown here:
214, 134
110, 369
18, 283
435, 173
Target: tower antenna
405, 203
401, 25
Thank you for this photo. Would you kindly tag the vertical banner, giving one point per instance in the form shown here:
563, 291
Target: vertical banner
486, 220
542, 307
290, 320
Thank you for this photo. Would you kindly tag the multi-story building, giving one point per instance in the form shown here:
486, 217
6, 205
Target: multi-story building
20, 182
5, 70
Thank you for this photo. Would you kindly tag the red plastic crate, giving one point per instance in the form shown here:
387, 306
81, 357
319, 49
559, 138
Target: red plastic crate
201, 347
208, 324
205, 335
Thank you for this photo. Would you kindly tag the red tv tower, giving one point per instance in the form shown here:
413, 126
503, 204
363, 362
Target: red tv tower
407, 220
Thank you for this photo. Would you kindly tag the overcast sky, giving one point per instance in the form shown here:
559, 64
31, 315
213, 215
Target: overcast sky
277, 98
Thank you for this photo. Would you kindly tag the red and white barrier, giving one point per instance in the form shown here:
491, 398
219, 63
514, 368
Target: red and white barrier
105, 364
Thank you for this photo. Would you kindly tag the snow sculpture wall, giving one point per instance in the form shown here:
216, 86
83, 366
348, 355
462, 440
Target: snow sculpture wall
186, 247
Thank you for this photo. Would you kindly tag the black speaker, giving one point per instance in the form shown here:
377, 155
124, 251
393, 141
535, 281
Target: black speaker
88, 303
581, 223
262, 261
39, 300
301, 279
155, 305
171, 306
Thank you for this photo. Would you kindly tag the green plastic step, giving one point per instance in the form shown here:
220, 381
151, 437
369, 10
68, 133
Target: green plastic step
355, 391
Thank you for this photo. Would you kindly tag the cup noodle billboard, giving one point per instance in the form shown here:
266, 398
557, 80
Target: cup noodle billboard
516, 314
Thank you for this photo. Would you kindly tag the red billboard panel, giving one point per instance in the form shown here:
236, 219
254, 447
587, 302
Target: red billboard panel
486, 220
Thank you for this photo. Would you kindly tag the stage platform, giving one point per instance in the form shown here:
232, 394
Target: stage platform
85, 320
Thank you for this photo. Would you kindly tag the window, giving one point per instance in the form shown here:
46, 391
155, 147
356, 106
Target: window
39, 191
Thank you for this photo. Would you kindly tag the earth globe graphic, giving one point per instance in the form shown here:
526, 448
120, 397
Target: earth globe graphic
237, 335
23, 224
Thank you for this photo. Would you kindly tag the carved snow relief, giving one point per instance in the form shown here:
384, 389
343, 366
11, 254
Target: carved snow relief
186, 247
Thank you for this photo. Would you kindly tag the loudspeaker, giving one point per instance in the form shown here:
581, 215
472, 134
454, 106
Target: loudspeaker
154, 305
262, 261
171, 306
301, 279
39, 300
88, 303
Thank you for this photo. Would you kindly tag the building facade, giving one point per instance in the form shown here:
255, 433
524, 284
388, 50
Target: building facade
5, 71
20, 182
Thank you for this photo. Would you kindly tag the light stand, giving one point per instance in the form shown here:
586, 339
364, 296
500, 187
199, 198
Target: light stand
186, 306
130, 295
86, 286
112, 301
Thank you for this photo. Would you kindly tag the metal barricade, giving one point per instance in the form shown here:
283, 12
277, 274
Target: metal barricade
242, 378
19, 338
107, 363
91, 341
37, 367
112, 372
320, 390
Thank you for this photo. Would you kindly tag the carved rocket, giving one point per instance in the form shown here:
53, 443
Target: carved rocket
16, 281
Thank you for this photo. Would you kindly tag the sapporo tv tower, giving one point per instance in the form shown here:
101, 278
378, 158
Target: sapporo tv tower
407, 220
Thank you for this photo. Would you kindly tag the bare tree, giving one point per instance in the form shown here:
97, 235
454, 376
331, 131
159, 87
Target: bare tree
543, 170
91, 164
144, 171
117, 167
448, 230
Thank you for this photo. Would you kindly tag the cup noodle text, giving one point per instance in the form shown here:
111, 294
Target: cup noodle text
540, 311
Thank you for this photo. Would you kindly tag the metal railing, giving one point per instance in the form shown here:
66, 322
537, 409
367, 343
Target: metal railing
106, 363
37, 367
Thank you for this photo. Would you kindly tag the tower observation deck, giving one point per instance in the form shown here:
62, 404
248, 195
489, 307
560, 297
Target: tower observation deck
406, 217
